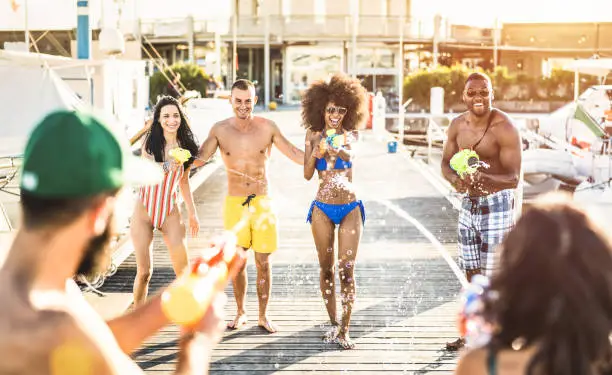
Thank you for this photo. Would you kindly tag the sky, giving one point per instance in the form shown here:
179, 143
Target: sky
61, 14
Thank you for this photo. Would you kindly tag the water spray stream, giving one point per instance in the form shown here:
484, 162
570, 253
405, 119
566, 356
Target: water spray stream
425, 232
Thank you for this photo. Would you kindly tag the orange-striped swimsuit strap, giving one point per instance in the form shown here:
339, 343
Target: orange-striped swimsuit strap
160, 199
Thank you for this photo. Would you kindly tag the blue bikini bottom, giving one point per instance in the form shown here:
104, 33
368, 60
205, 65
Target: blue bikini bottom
336, 212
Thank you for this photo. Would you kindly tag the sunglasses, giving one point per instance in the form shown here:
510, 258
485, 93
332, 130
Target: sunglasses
339, 110
483, 93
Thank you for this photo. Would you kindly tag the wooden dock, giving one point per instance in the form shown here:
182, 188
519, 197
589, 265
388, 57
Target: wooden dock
406, 293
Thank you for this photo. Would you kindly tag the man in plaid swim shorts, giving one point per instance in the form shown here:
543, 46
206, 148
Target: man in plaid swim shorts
487, 209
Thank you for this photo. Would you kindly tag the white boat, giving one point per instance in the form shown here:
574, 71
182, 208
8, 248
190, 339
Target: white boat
575, 139
549, 162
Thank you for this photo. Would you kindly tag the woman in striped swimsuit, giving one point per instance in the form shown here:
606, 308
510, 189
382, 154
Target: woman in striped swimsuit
157, 206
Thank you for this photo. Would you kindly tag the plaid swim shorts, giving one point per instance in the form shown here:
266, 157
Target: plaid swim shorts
483, 223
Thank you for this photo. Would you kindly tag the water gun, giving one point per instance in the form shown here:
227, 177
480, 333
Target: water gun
180, 154
471, 322
333, 140
188, 298
465, 162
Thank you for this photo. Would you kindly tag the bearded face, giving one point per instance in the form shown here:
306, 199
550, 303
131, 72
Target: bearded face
96, 257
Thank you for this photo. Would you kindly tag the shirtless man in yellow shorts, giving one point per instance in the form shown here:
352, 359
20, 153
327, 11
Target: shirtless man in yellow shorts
245, 142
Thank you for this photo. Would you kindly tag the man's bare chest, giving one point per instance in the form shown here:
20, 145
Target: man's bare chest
484, 143
245, 145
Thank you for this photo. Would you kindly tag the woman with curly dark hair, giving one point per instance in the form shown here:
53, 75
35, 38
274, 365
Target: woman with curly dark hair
550, 305
332, 111
157, 206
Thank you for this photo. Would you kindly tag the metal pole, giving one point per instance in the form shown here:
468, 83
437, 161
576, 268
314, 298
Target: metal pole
266, 60
190, 39
26, 30
235, 41
496, 37
436, 39
355, 19
576, 85
83, 30
218, 50
400, 77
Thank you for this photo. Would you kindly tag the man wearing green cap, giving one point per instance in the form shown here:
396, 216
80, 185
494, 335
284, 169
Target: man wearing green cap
72, 170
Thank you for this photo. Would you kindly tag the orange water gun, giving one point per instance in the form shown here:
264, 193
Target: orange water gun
188, 298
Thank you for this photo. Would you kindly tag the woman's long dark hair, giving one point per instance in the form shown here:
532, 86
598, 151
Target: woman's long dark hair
343, 91
554, 291
156, 143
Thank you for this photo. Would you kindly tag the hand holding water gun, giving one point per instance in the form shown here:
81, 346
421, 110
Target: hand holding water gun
465, 162
332, 139
180, 154
189, 297
472, 325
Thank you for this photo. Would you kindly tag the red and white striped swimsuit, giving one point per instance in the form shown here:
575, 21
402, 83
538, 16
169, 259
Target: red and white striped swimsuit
160, 199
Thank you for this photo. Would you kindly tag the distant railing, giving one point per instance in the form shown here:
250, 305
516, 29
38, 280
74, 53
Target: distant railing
303, 26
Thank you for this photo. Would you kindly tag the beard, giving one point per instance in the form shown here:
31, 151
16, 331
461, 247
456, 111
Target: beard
96, 257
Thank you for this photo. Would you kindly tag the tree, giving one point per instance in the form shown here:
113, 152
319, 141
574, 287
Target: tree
193, 77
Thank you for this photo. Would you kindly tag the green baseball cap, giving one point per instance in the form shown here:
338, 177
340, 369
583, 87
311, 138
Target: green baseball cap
74, 154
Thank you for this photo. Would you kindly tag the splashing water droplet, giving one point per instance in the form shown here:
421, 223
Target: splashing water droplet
328, 291
276, 365
349, 252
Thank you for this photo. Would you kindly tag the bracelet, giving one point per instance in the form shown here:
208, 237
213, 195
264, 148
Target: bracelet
165, 166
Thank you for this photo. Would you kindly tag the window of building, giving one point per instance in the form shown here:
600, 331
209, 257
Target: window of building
319, 11
546, 68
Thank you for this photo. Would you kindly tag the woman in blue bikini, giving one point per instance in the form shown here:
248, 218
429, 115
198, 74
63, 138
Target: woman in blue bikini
336, 106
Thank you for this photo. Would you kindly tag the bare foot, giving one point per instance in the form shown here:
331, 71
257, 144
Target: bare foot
455, 345
344, 341
267, 324
238, 322
330, 336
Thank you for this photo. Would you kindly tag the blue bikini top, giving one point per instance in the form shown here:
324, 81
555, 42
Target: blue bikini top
321, 164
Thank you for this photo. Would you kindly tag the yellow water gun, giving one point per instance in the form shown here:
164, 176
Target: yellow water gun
465, 162
187, 299
180, 154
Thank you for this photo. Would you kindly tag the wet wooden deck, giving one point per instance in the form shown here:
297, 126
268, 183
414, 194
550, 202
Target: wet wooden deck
406, 297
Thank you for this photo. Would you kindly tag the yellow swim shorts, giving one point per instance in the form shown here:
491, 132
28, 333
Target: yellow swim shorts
256, 221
